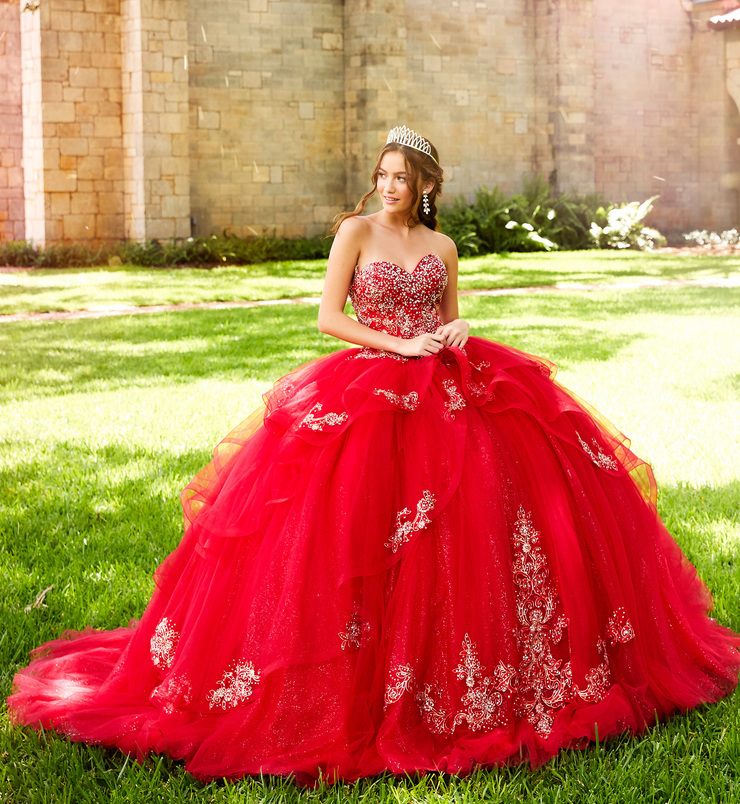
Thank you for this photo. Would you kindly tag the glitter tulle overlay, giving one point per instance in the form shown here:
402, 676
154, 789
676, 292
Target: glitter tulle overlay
400, 564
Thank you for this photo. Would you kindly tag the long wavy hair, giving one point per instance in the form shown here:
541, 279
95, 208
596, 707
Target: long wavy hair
422, 170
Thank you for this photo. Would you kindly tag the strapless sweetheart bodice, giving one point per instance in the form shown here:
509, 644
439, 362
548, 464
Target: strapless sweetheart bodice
402, 303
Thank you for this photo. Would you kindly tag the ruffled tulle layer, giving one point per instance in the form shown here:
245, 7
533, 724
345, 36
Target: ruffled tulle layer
400, 564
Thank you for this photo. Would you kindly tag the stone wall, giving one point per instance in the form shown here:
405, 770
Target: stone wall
155, 119
158, 118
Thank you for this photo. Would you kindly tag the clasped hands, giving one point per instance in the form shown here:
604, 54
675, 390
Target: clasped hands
452, 334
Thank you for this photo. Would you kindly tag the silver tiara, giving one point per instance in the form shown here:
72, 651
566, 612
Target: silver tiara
405, 136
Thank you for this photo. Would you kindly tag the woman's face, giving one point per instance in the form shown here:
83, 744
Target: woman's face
394, 182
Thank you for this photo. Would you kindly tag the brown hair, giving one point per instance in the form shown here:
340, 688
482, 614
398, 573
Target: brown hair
422, 169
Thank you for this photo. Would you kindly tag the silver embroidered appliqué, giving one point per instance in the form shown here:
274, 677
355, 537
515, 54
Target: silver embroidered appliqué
404, 530
314, 422
354, 631
401, 681
163, 644
600, 458
408, 401
235, 687
284, 392
456, 400
619, 629
477, 389
368, 353
480, 703
542, 685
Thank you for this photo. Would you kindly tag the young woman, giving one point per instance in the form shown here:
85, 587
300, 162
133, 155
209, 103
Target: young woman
422, 554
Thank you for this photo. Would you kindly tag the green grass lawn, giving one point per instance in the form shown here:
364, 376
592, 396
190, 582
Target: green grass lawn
91, 288
103, 421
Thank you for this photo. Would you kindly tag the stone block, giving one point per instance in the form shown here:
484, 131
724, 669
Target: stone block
81, 22
73, 94
83, 77
84, 204
60, 20
73, 146
94, 43
102, 6
160, 229
109, 77
78, 228
58, 112
260, 174
90, 168
208, 120
109, 227
110, 203
176, 206
332, 41
108, 23
173, 166
432, 63
182, 185
176, 92
107, 126
68, 130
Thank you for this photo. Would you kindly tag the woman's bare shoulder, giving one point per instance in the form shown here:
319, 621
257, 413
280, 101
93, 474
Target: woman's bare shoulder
356, 226
445, 247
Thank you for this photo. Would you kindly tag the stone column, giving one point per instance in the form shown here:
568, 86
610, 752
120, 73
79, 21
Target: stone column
71, 62
156, 160
33, 137
565, 92
719, 146
12, 215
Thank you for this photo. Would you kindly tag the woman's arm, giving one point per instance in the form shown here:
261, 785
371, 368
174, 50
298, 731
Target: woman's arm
345, 253
454, 330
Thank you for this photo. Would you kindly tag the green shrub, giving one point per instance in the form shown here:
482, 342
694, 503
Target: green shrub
533, 220
622, 227
216, 250
493, 223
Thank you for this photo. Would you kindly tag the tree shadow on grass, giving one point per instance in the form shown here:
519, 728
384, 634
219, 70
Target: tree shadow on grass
94, 523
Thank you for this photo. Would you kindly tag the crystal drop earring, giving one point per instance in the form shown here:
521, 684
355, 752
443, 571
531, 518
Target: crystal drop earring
425, 204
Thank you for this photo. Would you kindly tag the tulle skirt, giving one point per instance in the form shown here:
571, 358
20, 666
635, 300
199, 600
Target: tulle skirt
400, 564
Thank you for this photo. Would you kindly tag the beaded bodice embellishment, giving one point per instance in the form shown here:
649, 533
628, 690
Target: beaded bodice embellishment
388, 298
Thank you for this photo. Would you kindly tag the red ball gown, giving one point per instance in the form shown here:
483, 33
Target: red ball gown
400, 564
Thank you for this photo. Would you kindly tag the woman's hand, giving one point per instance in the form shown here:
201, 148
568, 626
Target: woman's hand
454, 333
421, 345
